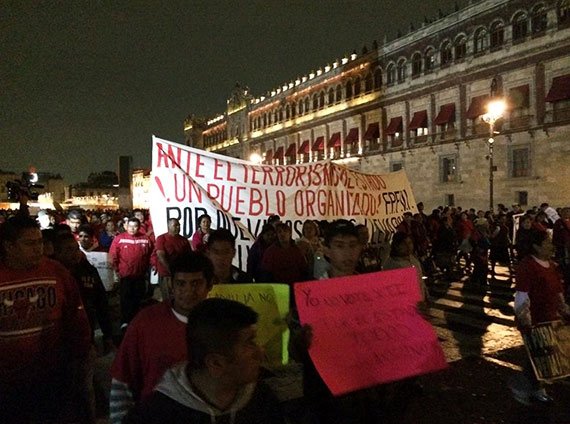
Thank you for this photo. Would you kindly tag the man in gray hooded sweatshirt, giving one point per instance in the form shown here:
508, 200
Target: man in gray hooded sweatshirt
219, 384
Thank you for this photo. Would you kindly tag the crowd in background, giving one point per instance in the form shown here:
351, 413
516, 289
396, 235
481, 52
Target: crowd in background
448, 244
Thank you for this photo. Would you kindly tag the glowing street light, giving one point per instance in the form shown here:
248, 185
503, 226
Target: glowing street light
495, 111
255, 158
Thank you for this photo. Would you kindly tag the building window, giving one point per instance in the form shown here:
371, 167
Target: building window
322, 100
288, 112
402, 70
349, 89
449, 200
519, 161
301, 107
396, 166
416, 65
538, 20
448, 169
429, 60
307, 102
315, 101
378, 78
497, 35
331, 96
280, 114
391, 73
564, 12
293, 109
368, 83
446, 54
338, 93
460, 48
520, 27
480, 41
357, 86
521, 197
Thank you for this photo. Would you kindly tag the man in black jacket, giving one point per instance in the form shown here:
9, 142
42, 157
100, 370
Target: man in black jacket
219, 383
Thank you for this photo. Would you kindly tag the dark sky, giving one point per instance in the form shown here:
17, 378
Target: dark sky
82, 82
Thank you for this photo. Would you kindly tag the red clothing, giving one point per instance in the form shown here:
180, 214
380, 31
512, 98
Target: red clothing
561, 233
543, 286
284, 264
131, 254
464, 229
42, 323
155, 341
172, 246
199, 241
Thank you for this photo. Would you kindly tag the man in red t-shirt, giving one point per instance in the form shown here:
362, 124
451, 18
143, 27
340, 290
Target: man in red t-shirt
155, 339
45, 336
167, 248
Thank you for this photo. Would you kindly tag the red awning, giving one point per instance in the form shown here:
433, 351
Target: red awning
334, 141
560, 89
319, 143
352, 136
269, 155
305, 147
419, 120
291, 150
477, 107
519, 97
373, 131
446, 114
279, 153
395, 126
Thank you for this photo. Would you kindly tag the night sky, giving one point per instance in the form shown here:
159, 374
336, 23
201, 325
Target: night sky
82, 82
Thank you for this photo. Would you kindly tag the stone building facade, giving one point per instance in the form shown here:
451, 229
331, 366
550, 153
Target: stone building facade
416, 103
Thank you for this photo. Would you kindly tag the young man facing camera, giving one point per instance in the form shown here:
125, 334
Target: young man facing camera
219, 382
155, 339
221, 250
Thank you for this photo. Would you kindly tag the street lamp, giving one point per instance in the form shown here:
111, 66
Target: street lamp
495, 111
255, 158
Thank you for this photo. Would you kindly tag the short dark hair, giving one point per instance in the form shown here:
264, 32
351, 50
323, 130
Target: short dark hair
340, 227
213, 327
60, 238
397, 239
193, 262
74, 214
86, 229
220, 235
133, 219
12, 229
283, 226
62, 228
273, 218
537, 237
204, 215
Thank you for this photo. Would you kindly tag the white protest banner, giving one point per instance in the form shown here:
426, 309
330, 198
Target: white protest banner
102, 262
240, 196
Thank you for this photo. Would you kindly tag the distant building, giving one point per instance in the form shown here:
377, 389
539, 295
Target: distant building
141, 188
416, 102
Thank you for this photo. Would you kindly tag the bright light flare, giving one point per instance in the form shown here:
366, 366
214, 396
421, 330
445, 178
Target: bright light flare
255, 158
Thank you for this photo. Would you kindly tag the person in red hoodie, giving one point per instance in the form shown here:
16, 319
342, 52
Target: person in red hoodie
45, 335
130, 253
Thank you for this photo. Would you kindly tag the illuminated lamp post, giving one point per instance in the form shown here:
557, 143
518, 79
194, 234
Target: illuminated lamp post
495, 111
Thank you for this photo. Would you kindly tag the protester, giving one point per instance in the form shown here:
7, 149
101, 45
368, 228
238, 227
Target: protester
219, 381
523, 244
371, 257
130, 253
44, 220
106, 237
168, 247
284, 262
200, 237
500, 243
75, 220
402, 256
221, 250
538, 299
45, 332
155, 339
464, 228
310, 243
265, 239
87, 240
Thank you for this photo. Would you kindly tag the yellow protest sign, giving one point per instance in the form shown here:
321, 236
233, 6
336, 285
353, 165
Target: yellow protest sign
271, 302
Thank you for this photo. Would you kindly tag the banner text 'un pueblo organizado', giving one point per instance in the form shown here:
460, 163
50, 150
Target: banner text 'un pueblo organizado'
240, 196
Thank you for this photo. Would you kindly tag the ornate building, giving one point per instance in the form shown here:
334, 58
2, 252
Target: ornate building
416, 103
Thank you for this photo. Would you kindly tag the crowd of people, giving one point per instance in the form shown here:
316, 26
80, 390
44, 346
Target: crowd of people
192, 359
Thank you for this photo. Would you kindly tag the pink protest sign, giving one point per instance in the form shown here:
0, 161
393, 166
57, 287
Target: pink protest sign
366, 329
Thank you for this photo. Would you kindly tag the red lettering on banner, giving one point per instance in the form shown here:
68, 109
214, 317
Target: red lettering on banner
300, 172
186, 189
255, 200
210, 190
267, 175
199, 163
279, 180
280, 203
229, 176
239, 200
217, 165
166, 157
254, 171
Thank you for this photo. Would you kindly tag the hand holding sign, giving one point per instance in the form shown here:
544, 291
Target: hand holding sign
366, 329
